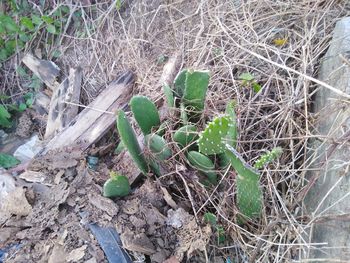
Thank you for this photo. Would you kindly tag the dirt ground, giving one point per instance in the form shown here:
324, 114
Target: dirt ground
280, 42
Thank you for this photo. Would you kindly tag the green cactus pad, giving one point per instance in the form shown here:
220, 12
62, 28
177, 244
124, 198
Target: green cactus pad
232, 132
200, 161
185, 135
169, 96
196, 86
179, 83
116, 186
145, 113
211, 139
268, 157
158, 146
249, 194
129, 140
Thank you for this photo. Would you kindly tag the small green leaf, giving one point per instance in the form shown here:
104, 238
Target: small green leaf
36, 83
10, 24
118, 5
256, 87
21, 72
36, 20
8, 161
210, 218
10, 46
27, 23
65, 9
22, 107
5, 117
47, 19
51, 29
24, 37
3, 55
246, 76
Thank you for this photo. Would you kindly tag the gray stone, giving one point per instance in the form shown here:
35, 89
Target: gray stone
328, 201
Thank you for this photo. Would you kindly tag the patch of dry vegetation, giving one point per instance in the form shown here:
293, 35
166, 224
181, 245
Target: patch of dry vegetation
228, 38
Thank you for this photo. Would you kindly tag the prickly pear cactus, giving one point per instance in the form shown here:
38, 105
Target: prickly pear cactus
179, 83
116, 186
203, 164
169, 96
196, 86
128, 137
158, 146
145, 113
200, 161
268, 157
231, 137
249, 194
185, 135
211, 140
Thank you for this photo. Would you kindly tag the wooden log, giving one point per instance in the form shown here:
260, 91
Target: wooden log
63, 106
46, 70
97, 118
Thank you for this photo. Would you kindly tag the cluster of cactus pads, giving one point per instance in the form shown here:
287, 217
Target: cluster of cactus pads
216, 142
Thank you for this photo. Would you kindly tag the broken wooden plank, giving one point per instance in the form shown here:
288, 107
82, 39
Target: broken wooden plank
61, 111
97, 118
46, 70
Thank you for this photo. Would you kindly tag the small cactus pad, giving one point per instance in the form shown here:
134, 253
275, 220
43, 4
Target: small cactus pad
232, 132
128, 137
179, 83
116, 186
249, 194
158, 146
200, 161
268, 157
145, 113
211, 139
196, 86
185, 135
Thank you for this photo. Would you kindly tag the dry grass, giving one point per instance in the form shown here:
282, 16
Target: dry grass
228, 38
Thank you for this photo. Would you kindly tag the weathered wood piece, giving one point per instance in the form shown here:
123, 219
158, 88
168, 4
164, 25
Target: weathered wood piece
97, 118
46, 70
327, 200
63, 106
